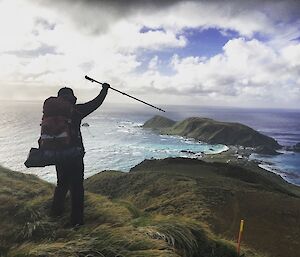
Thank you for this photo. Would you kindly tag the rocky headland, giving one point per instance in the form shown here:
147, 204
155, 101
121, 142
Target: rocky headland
215, 132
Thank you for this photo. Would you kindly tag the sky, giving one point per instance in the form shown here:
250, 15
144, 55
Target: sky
215, 53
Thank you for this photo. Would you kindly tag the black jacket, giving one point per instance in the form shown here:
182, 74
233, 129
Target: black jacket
80, 112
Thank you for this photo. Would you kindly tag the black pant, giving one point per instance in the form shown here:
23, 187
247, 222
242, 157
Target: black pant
70, 177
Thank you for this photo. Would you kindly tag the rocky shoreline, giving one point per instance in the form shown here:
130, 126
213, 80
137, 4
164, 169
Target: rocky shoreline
239, 154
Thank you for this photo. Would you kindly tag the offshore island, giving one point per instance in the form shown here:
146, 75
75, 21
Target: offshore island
170, 207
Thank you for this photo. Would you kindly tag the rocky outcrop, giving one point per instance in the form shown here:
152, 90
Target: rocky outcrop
296, 148
265, 150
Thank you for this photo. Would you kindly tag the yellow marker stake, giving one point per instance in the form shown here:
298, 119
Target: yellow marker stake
240, 237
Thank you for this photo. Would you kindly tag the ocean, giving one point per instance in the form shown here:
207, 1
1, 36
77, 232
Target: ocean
114, 139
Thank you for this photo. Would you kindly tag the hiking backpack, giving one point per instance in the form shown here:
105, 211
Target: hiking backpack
56, 124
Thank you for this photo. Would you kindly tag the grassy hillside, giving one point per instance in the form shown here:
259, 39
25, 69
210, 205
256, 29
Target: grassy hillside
216, 194
159, 122
113, 227
211, 131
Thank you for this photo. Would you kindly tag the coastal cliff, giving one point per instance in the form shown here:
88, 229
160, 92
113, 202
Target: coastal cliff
213, 132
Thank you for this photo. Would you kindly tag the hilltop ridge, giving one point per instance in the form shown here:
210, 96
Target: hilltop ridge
175, 207
217, 194
112, 227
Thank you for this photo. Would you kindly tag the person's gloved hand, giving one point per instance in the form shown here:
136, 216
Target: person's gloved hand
105, 86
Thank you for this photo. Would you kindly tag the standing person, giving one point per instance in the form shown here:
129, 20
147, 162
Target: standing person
70, 174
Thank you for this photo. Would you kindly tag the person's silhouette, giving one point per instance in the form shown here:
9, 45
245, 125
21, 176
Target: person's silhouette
70, 174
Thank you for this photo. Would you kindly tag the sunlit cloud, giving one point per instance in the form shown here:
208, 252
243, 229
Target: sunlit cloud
46, 45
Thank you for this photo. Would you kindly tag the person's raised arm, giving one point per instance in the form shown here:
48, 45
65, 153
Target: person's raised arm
88, 107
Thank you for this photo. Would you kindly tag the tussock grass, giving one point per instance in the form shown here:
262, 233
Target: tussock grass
100, 241
134, 211
188, 237
112, 228
99, 209
28, 230
212, 193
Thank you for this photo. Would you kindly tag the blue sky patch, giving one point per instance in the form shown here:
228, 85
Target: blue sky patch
204, 43
261, 37
296, 39
164, 59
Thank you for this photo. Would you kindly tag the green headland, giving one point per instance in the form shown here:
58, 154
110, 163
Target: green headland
213, 132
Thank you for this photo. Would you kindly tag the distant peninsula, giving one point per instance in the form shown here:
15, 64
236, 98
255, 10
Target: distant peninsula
214, 132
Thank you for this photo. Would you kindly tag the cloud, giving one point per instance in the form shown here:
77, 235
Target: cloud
43, 49
245, 17
247, 72
57, 42
96, 17
39, 21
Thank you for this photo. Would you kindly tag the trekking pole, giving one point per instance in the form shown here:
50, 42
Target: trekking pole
93, 80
